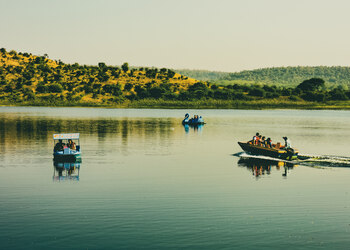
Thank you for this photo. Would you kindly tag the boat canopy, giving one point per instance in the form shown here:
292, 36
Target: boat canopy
73, 136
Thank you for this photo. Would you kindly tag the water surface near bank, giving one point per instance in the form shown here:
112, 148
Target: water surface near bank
148, 182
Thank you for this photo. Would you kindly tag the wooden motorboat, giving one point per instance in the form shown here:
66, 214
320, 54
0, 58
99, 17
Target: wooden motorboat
276, 151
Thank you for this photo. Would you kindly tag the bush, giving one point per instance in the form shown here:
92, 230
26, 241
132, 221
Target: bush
157, 92
338, 95
128, 86
41, 88
258, 92
311, 84
55, 88
125, 67
293, 98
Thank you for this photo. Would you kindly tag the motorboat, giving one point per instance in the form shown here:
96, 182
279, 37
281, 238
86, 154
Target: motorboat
276, 151
67, 147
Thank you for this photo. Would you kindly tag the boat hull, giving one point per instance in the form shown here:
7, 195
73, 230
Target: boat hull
271, 152
67, 157
193, 123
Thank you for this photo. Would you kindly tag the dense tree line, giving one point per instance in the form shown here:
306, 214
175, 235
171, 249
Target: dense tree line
28, 78
203, 75
286, 76
292, 76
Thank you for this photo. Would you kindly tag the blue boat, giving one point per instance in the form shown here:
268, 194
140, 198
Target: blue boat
67, 147
196, 120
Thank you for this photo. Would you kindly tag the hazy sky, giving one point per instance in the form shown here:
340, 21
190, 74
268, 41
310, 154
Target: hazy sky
196, 34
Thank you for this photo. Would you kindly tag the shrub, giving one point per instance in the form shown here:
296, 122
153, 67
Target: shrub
257, 92
125, 67
55, 88
42, 88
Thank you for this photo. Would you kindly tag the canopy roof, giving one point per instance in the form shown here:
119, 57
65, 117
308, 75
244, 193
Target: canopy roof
66, 136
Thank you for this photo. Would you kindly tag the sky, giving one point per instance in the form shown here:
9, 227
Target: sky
220, 35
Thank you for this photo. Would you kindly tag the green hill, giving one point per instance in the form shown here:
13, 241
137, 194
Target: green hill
203, 75
26, 79
286, 76
37, 79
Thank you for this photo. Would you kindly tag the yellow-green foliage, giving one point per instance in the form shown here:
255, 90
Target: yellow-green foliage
21, 73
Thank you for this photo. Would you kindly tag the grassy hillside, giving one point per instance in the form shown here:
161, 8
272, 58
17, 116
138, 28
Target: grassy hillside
281, 76
26, 77
203, 75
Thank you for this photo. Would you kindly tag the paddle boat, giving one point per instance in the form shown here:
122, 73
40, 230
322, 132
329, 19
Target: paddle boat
276, 151
67, 147
196, 120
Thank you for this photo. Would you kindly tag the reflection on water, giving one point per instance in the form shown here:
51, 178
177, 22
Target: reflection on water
66, 171
195, 128
23, 131
262, 167
146, 183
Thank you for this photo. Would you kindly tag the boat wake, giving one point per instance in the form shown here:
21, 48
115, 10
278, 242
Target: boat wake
325, 160
306, 160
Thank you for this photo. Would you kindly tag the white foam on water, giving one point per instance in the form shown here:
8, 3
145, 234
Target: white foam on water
310, 161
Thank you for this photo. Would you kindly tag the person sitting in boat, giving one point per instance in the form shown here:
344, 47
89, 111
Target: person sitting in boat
256, 139
200, 119
71, 144
268, 143
262, 141
287, 143
59, 146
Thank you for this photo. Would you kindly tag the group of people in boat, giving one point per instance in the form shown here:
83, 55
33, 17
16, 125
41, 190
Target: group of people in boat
262, 141
60, 145
195, 120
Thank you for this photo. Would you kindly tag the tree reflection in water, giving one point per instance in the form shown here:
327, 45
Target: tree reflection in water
261, 167
66, 171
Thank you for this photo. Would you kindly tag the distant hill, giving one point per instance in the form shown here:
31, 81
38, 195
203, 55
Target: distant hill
286, 76
203, 75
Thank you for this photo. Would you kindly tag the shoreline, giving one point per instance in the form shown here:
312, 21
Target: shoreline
200, 104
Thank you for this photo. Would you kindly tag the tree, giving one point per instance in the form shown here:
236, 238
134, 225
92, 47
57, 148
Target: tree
312, 84
257, 92
102, 65
55, 88
125, 67
171, 73
41, 88
157, 92
338, 94
198, 90
128, 86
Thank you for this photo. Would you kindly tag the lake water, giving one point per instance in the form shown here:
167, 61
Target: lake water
147, 182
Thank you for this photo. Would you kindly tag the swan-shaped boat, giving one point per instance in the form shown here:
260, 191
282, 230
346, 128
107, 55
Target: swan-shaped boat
196, 120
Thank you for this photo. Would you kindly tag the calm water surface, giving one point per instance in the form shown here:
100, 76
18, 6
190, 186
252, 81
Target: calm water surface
147, 182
